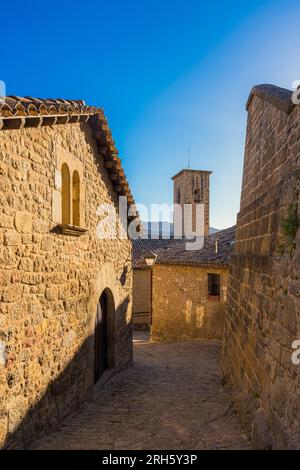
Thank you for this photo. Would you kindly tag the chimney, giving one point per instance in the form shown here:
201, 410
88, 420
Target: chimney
216, 247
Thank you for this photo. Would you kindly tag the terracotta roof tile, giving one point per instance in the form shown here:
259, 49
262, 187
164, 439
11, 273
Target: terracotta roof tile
25, 106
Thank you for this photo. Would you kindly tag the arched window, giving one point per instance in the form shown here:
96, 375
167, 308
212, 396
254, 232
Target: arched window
76, 198
65, 194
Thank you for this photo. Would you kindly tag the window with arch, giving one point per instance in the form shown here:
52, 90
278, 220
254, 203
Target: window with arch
65, 194
76, 198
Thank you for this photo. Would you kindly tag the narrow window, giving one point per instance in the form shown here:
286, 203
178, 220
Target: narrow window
213, 286
197, 195
65, 194
178, 196
76, 198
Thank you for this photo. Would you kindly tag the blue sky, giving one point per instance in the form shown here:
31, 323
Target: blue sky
169, 74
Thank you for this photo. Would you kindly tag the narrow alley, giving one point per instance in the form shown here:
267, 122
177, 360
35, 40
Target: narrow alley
171, 398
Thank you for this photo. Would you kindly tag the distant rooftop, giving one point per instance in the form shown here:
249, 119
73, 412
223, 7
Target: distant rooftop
190, 171
173, 251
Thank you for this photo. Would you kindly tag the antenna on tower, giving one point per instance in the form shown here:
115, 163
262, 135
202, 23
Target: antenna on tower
189, 155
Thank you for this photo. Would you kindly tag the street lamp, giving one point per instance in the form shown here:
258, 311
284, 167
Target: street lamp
150, 259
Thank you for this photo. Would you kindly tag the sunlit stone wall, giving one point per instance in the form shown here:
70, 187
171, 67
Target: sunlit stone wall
50, 283
263, 315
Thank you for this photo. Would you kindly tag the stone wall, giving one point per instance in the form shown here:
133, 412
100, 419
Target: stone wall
263, 315
50, 283
141, 298
180, 304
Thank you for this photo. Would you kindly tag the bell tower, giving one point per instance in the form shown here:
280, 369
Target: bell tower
192, 187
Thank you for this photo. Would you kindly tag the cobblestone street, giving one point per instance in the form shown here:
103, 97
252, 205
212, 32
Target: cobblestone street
171, 398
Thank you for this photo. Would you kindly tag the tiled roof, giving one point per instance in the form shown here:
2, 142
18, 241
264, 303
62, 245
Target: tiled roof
11, 106
173, 251
17, 112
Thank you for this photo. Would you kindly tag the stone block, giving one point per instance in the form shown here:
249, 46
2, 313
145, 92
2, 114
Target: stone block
6, 221
3, 356
23, 222
12, 239
26, 264
12, 293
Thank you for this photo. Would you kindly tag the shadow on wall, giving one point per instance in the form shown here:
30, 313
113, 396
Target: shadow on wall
70, 389
194, 321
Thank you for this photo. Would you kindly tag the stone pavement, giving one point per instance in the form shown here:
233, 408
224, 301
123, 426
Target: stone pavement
171, 398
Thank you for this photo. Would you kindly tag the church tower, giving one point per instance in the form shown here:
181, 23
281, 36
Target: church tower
192, 187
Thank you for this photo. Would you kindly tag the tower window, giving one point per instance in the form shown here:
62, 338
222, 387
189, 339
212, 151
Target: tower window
213, 286
178, 196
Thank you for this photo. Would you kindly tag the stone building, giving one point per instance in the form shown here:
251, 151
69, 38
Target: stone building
65, 294
263, 316
186, 289
189, 288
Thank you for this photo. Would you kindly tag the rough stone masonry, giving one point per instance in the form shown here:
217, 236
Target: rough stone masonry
263, 315
52, 274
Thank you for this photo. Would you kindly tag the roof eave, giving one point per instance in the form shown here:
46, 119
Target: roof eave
21, 113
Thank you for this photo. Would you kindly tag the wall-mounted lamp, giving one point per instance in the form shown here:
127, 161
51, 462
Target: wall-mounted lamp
150, 260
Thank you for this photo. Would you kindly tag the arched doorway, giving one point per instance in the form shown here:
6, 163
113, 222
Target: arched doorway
104, 354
